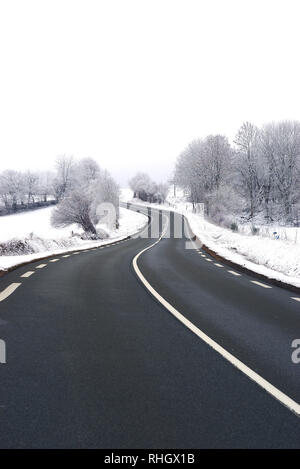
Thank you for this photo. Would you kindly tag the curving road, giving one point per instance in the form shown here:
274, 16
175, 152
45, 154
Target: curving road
93, 360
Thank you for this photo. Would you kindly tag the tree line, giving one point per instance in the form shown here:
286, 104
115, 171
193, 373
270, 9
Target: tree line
20, 190
79, 188
258, 176
147, 190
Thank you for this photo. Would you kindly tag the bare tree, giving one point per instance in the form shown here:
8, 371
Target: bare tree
280, 147
30, 184
81, 203
140, 184
65, 172
11, 188
45, 185
74, 209
247, 163
86, 171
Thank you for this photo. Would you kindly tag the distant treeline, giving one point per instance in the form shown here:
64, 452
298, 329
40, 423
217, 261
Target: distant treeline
21, 207
256, 178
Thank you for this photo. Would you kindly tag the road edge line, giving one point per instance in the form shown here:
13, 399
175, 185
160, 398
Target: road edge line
259, 380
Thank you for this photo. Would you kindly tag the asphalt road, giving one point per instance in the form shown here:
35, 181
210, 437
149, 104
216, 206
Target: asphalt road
94, 361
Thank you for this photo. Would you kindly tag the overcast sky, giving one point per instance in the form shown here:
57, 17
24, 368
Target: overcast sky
131, 82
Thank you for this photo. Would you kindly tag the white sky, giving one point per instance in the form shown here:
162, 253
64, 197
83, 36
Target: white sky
131, 82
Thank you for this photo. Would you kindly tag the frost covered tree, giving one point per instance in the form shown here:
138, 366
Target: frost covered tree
30, 185
11, 188
140, 184
162, 192
203, 166
85, 171
260, 176
247, 164
64, 176
106, 193
45, 185
91, 188
280, 151
147, 190
74, 209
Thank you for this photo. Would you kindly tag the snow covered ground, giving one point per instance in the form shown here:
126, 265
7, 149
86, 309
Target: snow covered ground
275, 258
43, 240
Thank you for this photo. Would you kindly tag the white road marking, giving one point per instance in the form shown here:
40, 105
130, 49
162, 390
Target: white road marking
234, 273
208, 260
260, 284
75, 253
41, 266
218, 265
9, 290
67, 255
263, 383
27, 274
54, 260
295, 298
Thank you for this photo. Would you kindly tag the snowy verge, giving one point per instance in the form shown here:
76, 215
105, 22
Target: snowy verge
35, 230
276, 259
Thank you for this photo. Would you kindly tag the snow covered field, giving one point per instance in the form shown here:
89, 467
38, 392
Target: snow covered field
275, 258
44, 240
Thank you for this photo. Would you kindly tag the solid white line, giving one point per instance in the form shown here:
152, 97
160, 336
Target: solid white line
54, 260
9, 290
41, 266
218, 265
27, 274
260, 284
234, 273
295, 298
266, 385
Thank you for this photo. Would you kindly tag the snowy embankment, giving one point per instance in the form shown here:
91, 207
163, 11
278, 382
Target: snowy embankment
277, 259
34, 231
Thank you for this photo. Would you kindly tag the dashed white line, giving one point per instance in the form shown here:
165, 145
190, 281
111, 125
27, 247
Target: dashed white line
41, 266
234, 273
218, 265
295, 298
263, 285
54, 260
67, 255
27, 274
9, 290
208, 260
263, 383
